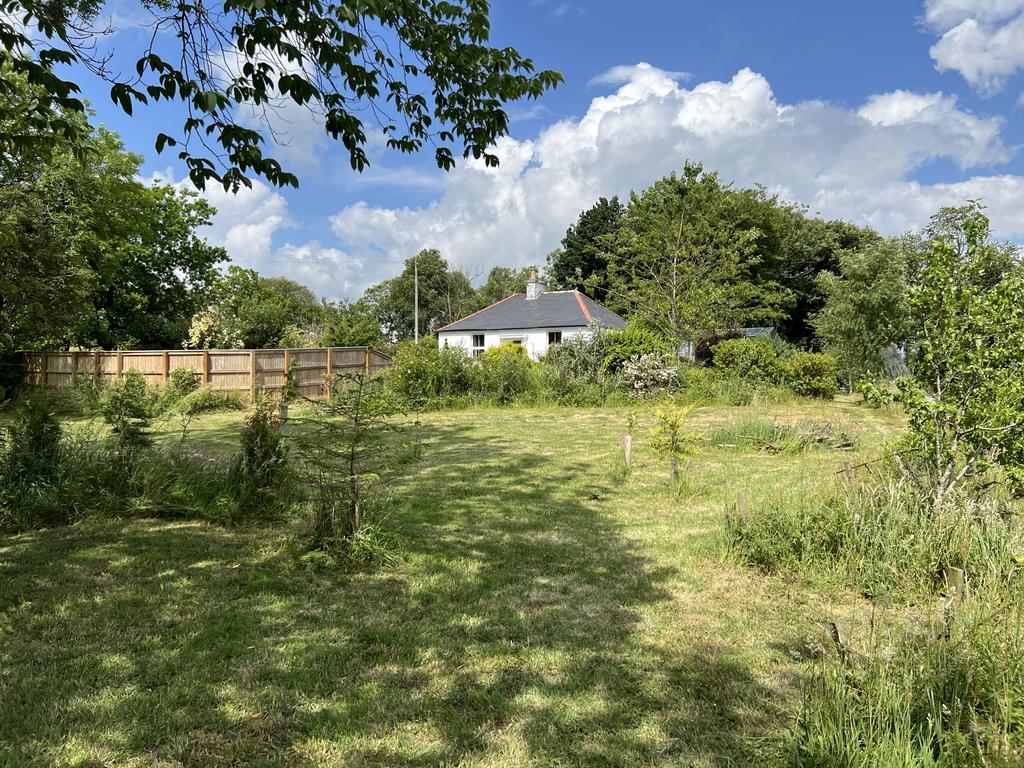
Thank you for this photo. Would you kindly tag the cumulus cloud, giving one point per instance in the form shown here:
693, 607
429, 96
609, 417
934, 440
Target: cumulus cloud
246, 223
856, 164
983, 40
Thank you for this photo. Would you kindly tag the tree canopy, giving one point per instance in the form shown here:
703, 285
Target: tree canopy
444, 295
420, 71
582, 261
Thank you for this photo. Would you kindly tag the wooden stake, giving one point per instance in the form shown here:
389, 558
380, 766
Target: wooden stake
329, 372
741, 503
627, 448
252, 375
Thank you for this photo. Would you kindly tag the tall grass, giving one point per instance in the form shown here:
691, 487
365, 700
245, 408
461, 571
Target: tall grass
945, 692
882, 535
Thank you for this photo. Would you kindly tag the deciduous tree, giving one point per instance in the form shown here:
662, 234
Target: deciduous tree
421, 71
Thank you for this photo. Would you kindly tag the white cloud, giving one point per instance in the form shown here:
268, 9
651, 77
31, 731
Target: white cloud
854, 164
983, 40
945, 14
245, 225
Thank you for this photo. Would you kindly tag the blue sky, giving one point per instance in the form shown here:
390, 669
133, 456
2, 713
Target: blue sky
878, 112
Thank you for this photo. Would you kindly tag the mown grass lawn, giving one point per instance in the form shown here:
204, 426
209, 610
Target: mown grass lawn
548, 610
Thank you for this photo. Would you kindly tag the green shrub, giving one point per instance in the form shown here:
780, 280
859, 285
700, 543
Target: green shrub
632, 342
127, 406
205, 400
181, 383
507, 373
425, 376
752, 360
812, 374
32, 448
262, 456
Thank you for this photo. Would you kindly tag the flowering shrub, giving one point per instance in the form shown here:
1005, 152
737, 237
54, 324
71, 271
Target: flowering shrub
648, 373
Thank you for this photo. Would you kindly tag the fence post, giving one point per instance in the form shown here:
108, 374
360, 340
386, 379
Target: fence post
120, 365
287, 364
74, 368
329, 371
366, 363
206, 367
96, 368
45, 368
167, 366
252, 375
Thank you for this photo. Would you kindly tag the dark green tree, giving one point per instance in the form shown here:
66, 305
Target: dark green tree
677, 263
582, 261
149, 268
421, 70
352, 324
502, 282
444, 295
866, 305
246, 310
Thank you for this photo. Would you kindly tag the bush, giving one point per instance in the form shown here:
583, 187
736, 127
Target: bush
262, 456
205, 400
748, 359
425, 376
507, 373
648, 373
32, 449
182, 383
127, 406
632, 342
812, 374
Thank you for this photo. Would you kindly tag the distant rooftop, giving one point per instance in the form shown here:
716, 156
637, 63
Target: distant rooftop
551, 309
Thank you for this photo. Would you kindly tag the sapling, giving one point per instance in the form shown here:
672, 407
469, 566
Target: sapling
670, 437
345, 451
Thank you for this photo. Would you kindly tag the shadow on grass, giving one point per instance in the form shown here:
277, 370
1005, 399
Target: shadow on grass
512, 634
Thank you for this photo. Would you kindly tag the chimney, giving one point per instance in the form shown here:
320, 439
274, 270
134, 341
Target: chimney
534, 287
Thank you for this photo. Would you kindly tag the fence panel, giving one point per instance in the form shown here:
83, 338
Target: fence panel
235, 370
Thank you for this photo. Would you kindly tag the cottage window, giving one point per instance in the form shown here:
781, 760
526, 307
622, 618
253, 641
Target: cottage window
554, 337
478, 344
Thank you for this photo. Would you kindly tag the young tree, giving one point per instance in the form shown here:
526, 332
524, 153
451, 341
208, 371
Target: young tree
582, 261
422, 70
676, 261
965, 400
346, 449
866, 305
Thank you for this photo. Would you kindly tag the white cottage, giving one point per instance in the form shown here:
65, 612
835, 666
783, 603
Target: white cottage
536, 319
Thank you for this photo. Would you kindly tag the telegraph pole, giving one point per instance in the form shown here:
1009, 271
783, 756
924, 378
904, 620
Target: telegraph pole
416, 296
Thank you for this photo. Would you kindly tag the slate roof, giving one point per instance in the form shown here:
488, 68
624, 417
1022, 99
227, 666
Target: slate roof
552, 309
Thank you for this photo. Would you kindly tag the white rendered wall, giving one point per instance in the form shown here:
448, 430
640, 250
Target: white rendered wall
534, 339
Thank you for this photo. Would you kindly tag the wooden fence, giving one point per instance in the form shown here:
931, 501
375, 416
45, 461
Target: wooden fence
236, 370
